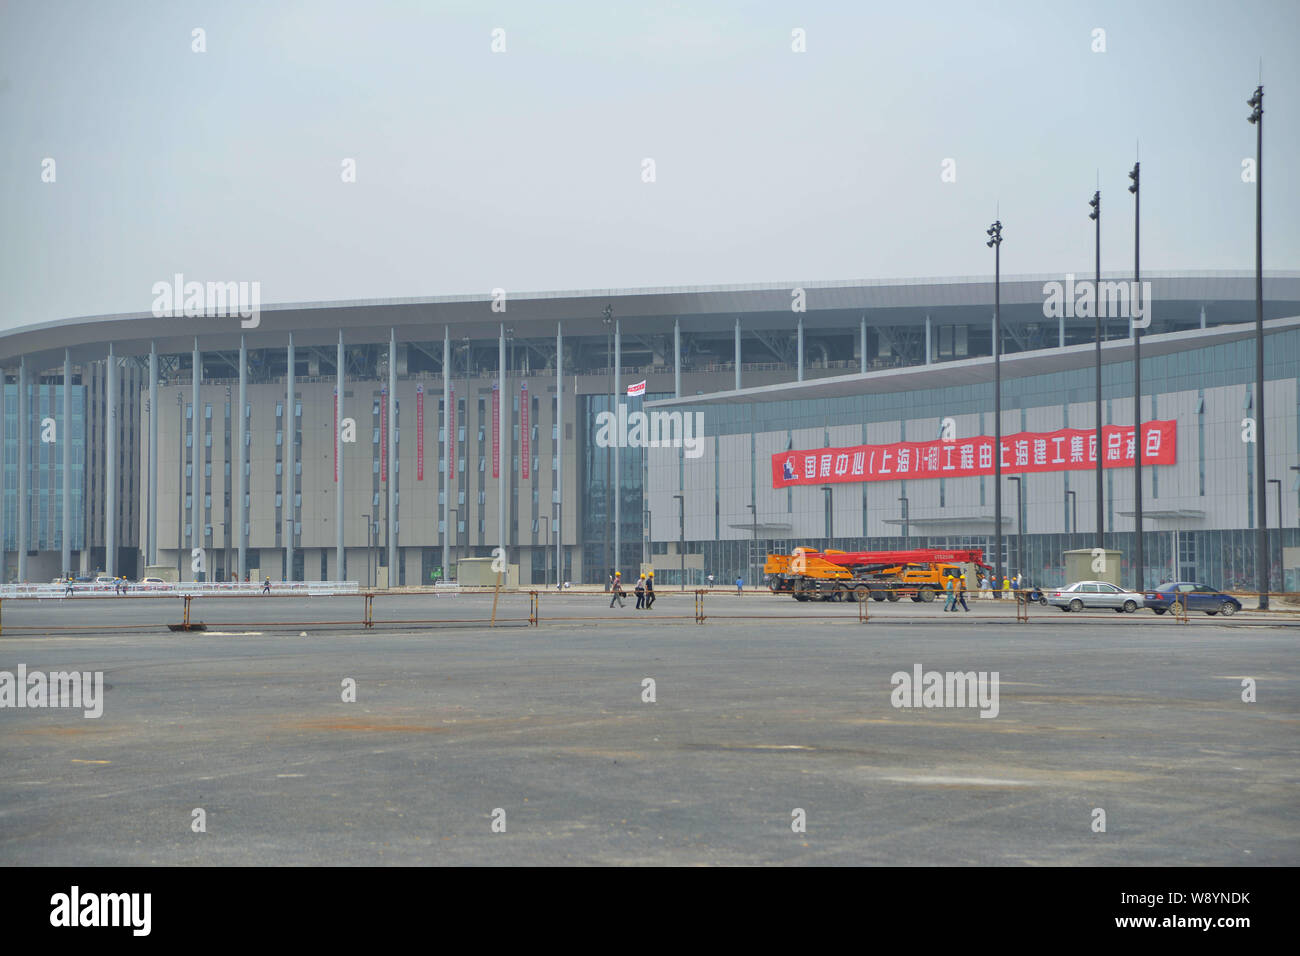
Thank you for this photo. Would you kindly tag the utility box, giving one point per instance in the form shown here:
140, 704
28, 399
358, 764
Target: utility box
477, 572
1093, 564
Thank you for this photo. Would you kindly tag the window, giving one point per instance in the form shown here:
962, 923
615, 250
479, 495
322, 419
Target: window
279, 468
207, 411
297, 409
279, 409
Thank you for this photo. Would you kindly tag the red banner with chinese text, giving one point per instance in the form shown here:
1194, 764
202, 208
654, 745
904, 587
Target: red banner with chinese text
496, 431
523, 428
419, 432
1067, 449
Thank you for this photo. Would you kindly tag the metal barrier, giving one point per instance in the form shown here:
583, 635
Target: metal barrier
506, 609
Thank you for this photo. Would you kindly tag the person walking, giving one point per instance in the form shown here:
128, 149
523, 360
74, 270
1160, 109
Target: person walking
740, 584
650, 591
961, 594
640, 593
950, 604
67, 587
986, 587
617, 589
266, 588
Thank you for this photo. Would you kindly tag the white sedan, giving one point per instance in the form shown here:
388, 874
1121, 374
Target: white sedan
1083, 594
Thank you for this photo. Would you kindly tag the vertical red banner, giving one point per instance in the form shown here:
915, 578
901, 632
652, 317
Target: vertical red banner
450, 414
496, 431
336, 433
419, 432
523, 427
383, 434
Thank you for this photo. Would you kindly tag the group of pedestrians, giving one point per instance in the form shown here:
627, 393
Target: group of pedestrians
956, 587
645, 591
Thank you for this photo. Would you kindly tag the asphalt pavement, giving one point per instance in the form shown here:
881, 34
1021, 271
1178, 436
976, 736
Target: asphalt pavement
469, 744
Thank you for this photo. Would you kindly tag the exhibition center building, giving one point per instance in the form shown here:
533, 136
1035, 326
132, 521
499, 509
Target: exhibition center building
690, 430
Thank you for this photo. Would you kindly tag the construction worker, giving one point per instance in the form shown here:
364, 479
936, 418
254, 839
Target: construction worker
640, 592
616, 589
961, 594
951, 603
650, 591
1006, 585
266, 588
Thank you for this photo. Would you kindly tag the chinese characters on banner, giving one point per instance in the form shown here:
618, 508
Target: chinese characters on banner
336, 433
383, 434
523, 427
419, 432
451, 433
496, 431
1067, 449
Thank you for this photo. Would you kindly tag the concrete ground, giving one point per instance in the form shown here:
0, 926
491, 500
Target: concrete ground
770, 707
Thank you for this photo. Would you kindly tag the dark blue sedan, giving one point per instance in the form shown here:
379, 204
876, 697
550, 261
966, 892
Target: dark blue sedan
1197, 597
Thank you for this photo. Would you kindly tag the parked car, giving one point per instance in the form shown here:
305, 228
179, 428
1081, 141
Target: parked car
1197, 597
153, 584
1082, 594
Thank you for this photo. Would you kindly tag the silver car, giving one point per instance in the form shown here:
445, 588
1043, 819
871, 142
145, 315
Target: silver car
1084, 594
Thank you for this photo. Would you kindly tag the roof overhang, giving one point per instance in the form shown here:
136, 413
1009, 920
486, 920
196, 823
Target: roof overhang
979, 371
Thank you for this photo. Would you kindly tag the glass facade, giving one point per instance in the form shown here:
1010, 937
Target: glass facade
1222, 556
45, 467
597, 484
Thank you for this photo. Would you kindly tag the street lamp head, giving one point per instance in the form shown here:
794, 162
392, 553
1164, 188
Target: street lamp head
1133, 175
995, 231
1095, 203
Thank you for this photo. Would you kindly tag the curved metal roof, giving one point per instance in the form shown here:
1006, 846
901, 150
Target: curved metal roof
707, 308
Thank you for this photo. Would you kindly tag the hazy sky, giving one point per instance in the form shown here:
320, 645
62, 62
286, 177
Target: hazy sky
524, 169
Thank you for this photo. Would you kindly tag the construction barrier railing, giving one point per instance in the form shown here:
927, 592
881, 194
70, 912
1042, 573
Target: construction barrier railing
506, 608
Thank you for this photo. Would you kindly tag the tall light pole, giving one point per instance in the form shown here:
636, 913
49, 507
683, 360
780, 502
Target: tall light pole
906, 533
1020, 527
681, 541
830, 523
1256, 119
994, 233
367, 517
1139, 581
1095, 216
753, 519
454, 531
180, 484
608, 321
1278, 489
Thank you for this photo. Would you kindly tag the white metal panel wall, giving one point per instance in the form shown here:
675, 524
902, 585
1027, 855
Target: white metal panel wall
733, 486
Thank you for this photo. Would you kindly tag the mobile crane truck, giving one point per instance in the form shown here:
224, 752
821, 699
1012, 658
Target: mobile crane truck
810, 575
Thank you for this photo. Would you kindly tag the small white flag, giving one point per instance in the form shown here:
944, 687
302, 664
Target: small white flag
637, 389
